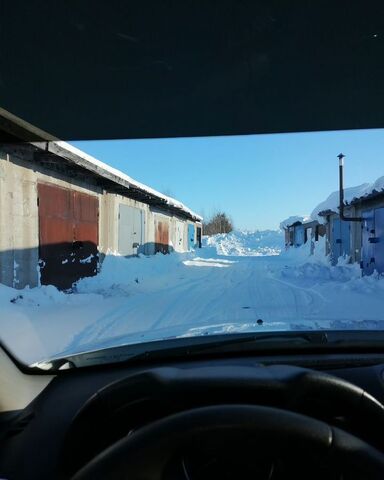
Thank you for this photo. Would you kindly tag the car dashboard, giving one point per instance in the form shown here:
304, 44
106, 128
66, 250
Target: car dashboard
84, 411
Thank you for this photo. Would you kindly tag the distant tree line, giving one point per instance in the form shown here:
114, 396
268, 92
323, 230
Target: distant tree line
220, 222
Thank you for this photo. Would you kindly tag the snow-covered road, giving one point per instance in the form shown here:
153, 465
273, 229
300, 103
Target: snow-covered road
209, 295
143, 299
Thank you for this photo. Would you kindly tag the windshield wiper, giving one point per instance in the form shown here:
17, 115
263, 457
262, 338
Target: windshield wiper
186, 347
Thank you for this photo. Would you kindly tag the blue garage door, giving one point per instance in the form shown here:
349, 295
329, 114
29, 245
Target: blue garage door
340, 239
367, 249
299, 236
379, 234
191, 236
372, 240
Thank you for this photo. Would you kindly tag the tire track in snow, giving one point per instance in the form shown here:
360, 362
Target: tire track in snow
315, 306
123, 320
207, 295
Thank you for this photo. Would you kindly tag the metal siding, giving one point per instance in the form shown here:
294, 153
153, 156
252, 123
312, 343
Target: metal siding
299, 235
335, 240
345, 234
55, 235
179, 240
367, 250
68, 235
199, 230
191, 236
54, 215
138, 231
162, 236
291, 235
131, 230
125, 230
85, 233
340, 239
379, 234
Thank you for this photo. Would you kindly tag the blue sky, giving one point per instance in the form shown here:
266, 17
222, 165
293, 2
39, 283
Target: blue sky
258, 179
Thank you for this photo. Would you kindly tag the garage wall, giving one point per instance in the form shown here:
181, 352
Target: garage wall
178, 231
163, 233
192, 237
68, 234
179, 235
356, 235
109, 225
19, 220
109, 220
18, 224
370, 253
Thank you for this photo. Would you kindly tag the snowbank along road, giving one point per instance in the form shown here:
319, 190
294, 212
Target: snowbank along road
237, 282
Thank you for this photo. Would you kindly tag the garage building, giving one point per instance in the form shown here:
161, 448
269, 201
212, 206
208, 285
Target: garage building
62, 211
339, 235
361, 239
369, 244
299, 229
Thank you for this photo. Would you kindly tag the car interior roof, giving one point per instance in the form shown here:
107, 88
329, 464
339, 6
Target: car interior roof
141, 69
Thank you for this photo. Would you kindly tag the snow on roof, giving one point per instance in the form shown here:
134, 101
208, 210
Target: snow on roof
49, 143
331, 204
120, 175
376, 187
294, 219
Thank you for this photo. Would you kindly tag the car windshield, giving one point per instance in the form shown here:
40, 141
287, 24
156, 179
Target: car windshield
111, 243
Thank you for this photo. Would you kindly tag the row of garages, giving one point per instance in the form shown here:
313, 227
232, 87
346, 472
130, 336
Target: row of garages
300, 232
62, 212
361, 240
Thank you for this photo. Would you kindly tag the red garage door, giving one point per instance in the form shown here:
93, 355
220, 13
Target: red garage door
162, 236
68, 231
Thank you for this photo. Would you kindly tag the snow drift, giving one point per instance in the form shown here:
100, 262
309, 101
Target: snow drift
247, 243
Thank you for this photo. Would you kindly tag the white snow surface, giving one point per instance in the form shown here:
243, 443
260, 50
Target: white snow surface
247, 243
197, 293
135, 183
293, 219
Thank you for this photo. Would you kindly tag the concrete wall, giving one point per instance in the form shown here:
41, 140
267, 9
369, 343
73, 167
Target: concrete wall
19, 223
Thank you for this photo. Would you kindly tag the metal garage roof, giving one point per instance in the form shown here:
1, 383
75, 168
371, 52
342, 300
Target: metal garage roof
53, 149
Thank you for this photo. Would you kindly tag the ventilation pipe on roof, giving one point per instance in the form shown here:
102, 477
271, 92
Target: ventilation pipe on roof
341, 192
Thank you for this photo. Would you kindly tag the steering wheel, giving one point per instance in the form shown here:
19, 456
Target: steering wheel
157, 451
